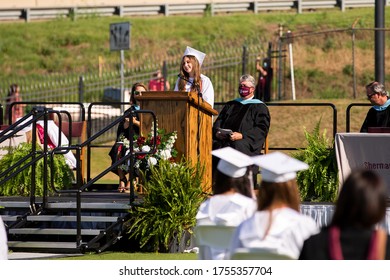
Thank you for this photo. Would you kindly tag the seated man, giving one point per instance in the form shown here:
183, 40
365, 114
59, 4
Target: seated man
379, 114
247, 118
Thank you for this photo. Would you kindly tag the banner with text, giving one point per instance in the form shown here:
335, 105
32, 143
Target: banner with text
363, 150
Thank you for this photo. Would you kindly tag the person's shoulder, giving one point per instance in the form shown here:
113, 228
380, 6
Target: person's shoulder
204, 78
242, 199
297, 217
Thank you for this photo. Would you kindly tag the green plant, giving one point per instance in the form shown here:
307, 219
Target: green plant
173, 194
21, 182
320, 182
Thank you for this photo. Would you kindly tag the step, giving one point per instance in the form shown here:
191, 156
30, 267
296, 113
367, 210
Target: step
58, 218
68, 205
40, 244
9, 218
52, 231
89, 206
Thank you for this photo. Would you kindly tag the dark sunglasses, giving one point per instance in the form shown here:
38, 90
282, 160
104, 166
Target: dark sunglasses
371, 95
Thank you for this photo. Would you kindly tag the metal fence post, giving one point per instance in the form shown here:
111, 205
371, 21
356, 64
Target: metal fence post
244, 59
81, 89
280, 72
380, 41
165, 74
353, 63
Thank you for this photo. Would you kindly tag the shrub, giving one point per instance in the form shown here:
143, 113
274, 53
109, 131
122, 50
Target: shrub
173, 194
320, 182
21, 182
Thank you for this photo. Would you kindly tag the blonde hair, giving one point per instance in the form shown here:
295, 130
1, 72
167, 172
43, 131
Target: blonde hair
196, 68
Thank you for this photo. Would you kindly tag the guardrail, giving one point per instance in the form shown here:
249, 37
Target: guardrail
34, 10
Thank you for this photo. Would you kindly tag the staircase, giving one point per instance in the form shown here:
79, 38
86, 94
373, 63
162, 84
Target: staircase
54, 229
74, 220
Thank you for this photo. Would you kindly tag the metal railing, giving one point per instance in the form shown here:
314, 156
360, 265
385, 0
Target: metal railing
73, 9
223, 67
348, 114
33, 157
219, 105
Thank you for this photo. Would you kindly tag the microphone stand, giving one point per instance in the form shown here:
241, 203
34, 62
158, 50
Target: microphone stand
198, 105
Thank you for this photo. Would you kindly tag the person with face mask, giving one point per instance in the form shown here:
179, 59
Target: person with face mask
243, 123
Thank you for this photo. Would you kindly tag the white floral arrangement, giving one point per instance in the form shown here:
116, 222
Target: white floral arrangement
165, 149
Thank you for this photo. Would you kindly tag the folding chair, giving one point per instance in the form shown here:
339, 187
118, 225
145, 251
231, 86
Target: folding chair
258, 254
217, 237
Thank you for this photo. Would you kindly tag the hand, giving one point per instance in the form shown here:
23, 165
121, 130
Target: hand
126, 123
136, 122
235, 136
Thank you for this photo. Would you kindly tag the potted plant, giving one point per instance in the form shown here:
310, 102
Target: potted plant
20, 184
173, 194
320, 182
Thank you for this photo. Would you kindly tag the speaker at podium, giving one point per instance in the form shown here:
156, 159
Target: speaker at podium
190, 116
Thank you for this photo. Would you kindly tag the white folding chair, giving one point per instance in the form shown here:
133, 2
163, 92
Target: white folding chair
258, 254
217, 237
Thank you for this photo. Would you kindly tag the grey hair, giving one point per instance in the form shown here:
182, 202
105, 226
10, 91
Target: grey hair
248, 78
376, 87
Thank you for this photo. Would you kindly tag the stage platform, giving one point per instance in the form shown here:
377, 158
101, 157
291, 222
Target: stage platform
54, 228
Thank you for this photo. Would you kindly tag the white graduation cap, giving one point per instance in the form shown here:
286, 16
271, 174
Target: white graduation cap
233, 163
278, 167
199, 55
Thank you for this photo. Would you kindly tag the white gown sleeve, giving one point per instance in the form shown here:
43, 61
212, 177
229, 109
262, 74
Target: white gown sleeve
177, 85
207, 90
3, 242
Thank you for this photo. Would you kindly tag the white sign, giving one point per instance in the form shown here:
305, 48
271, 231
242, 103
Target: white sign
363, 151
119, 36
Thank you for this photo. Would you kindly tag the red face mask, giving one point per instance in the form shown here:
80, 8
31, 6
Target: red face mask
244, 91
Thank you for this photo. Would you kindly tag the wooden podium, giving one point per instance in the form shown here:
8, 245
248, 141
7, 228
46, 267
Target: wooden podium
190, 116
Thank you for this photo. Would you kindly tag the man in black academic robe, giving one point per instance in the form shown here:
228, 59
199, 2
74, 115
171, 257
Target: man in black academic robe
379, 113
248, 119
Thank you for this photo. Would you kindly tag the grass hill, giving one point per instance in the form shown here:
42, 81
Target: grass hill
322, 54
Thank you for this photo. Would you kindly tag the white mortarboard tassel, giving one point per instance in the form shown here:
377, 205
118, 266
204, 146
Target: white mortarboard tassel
232, 163
278, 167
199, 55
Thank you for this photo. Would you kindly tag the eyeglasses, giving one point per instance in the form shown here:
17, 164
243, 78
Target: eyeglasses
371, 95
137, 92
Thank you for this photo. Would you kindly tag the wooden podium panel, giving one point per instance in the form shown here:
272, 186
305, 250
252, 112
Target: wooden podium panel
190, 117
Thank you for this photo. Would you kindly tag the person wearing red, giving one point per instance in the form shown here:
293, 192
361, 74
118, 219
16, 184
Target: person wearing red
17, 110
158, 82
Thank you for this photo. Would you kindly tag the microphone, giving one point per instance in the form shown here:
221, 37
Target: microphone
185, 79
190, 82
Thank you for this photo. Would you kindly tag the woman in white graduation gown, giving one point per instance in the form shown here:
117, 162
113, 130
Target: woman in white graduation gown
277, 226
233, 200
190, 77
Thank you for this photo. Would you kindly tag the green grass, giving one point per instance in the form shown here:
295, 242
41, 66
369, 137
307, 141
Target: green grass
133, 256
36, 48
